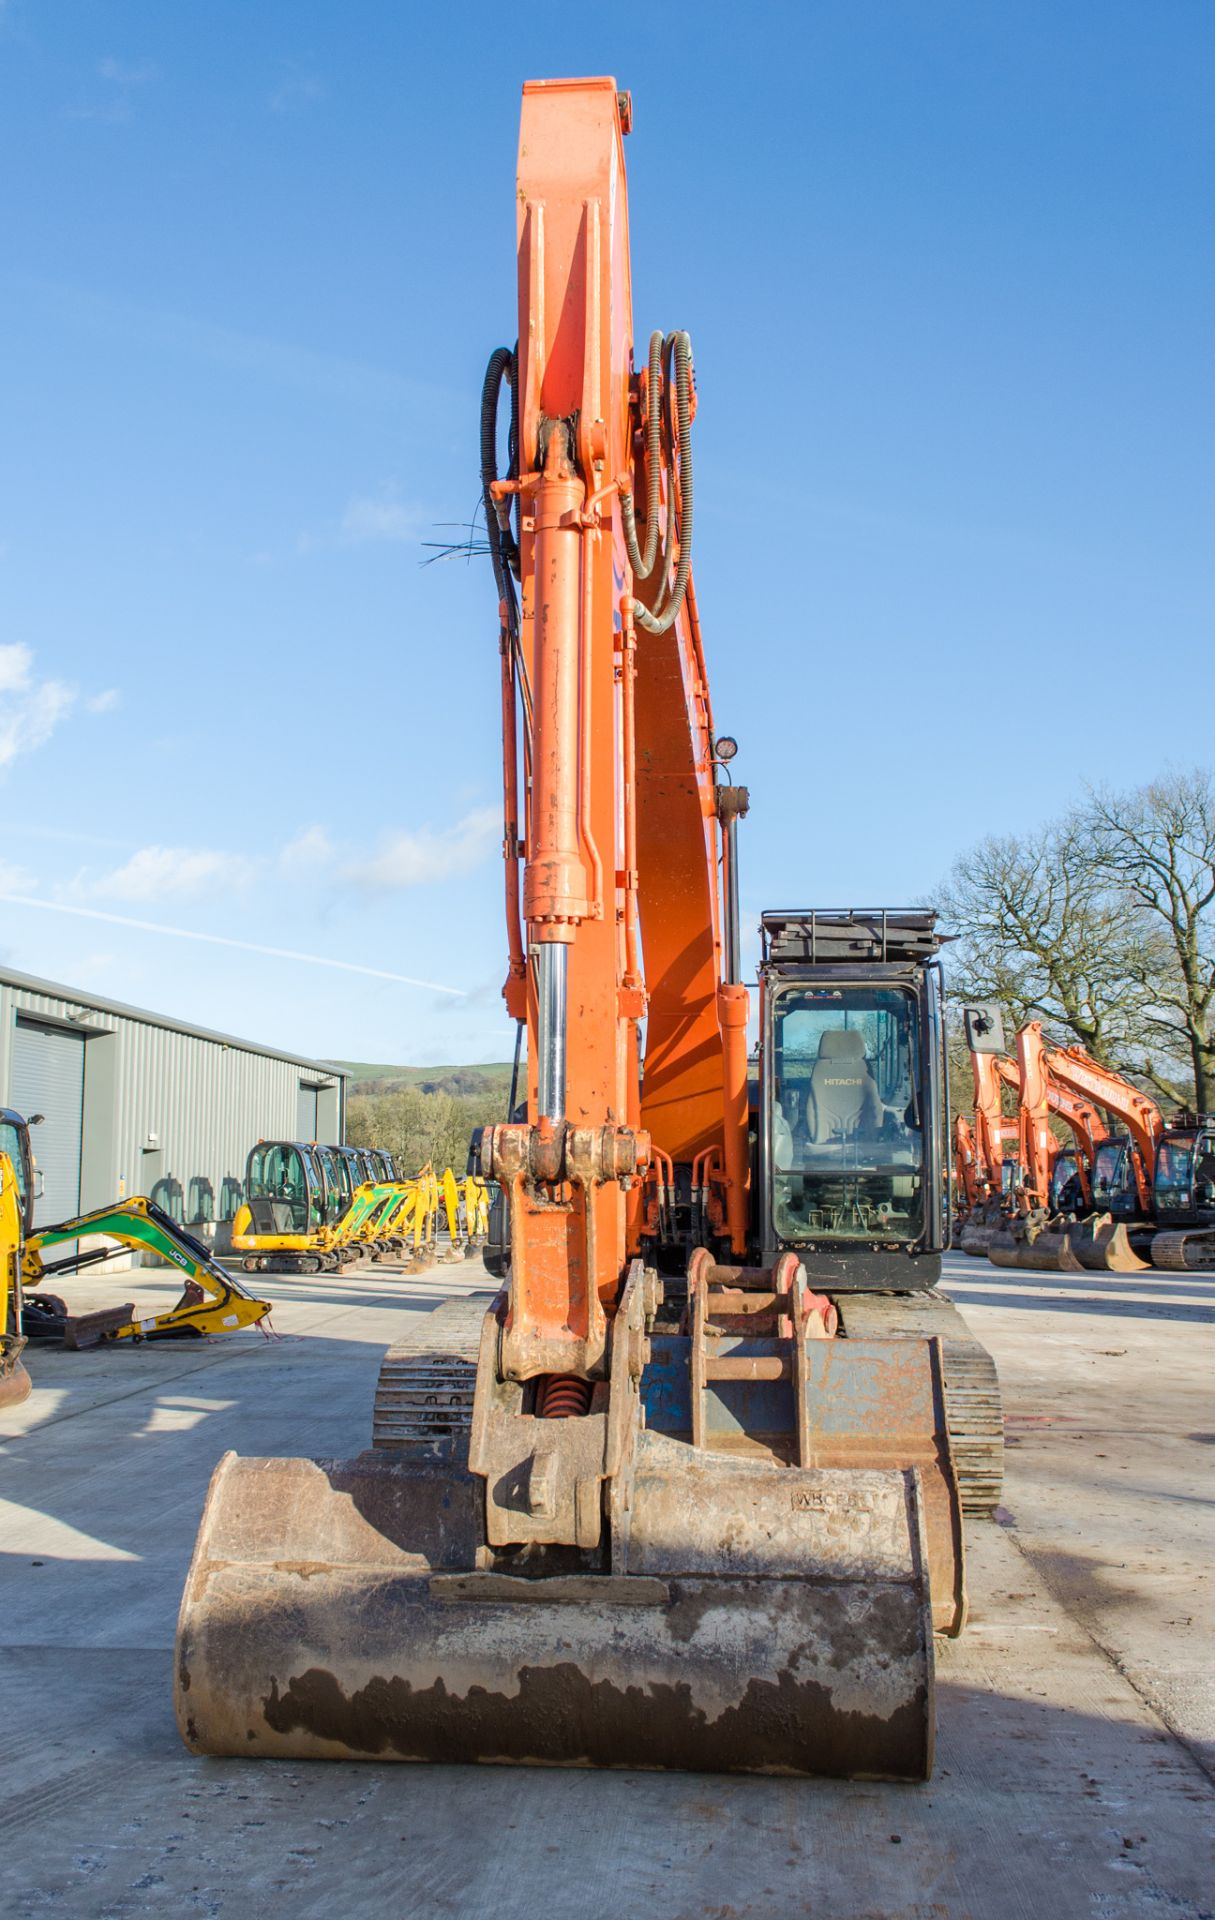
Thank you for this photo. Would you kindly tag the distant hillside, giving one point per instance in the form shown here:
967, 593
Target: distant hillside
492, 1078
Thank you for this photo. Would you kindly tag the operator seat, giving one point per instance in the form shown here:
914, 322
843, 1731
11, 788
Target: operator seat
843, 1098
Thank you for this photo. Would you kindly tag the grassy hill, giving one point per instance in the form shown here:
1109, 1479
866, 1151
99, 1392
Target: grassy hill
489, 1079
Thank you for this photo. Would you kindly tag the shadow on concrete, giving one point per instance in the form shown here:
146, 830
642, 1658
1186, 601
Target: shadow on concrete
1035, 1808
1200, 1314
1153, 1281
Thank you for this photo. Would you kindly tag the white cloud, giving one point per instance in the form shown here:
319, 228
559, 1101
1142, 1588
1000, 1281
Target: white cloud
31, 709
298, 91
414, 856
104, 702
125, 76
121, 81
155, 871
14, 879
309, 850
382, 517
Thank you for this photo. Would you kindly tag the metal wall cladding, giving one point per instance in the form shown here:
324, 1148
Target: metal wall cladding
206, 1101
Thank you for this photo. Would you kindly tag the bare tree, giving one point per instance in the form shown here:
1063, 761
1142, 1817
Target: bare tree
1154, 848
1039, 931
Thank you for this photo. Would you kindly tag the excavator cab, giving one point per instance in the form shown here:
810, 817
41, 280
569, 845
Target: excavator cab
1184, 1184
350, 1169
15, 1145
336, 1177
1114, 1188
16, 1225
852, 1148
283, 1189
1066, 1182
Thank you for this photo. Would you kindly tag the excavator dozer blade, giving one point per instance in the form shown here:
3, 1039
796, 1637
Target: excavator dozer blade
335, 1610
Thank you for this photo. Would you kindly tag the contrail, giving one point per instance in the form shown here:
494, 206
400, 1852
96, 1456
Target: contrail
225, 940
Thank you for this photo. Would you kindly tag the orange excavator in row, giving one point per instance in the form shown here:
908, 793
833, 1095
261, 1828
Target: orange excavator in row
1137, 1192
688, 1492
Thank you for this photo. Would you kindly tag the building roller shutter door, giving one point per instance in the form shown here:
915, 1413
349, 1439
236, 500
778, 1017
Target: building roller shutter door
48, 1078
305, 1124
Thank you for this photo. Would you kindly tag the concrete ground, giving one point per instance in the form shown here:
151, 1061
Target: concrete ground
1076, 1754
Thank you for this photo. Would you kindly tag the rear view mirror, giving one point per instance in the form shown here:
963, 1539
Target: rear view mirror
984, 1027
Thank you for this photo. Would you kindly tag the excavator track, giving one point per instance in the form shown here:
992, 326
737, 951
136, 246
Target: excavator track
1191, 1250
425, 1388
973, 1407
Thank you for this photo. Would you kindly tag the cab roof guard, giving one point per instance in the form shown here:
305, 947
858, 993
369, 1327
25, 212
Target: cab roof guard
832, 935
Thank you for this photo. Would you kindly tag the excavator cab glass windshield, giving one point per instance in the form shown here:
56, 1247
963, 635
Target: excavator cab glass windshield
1185, 1172
337, 1183
1113, 1174
847, 1129
14, 1144
1066, 1188
279, 1172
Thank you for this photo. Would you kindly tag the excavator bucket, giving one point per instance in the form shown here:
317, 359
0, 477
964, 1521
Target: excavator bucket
1034, 1243
1101, 1244
14, 1380
975, 1235
334, 1610
749, 1615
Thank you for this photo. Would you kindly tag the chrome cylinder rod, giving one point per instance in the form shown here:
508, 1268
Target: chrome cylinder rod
733, 942
552, 964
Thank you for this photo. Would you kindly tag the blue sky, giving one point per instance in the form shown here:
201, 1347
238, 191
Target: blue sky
948, 274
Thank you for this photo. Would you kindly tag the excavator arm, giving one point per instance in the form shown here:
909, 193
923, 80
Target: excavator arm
212, 1300
612, 836
1078, 1073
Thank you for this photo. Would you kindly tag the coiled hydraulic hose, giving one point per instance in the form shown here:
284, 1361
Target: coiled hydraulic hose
672, 355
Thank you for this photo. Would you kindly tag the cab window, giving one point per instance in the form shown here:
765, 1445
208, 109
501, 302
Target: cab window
846, 1125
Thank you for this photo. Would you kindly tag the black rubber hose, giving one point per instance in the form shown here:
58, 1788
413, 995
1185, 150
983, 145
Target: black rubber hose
501, 543
643, 564
679, 347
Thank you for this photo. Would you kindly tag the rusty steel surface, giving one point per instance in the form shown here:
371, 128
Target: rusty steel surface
1102, 1245
14, 1380
973, 1406
1033, 1241
309, 1629
880, 1404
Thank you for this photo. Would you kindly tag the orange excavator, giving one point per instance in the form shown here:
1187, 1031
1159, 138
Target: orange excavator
687, 1492
1143, 1191
1020, 1166
1045, 1166
995, 1139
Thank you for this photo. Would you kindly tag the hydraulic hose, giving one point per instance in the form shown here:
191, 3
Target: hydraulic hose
676, 357
643, 565
503, 551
